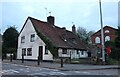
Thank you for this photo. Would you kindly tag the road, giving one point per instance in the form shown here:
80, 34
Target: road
14, 69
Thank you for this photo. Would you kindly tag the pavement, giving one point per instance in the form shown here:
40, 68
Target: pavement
66, 67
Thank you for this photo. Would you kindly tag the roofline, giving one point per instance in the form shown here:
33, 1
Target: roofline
103, 29
23, 26
72, 48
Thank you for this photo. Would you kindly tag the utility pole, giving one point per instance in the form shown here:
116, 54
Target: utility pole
102, 34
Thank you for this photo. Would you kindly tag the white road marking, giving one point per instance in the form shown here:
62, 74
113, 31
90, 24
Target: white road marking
10, 71
82, 72
86, 72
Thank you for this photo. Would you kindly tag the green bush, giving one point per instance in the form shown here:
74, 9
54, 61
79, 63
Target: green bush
115, 54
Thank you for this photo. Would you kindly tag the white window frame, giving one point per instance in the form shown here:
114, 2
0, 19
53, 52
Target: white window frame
107, 31
97, 40
107, 38
46, 50
24, 51
23, 39
32, 38
29, 51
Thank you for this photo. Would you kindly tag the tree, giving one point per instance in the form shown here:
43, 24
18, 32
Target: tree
117, 39
84, 35
10, 40
115, 46
115, 54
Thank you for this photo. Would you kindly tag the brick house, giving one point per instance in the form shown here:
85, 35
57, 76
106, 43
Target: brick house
44, 39
109, 35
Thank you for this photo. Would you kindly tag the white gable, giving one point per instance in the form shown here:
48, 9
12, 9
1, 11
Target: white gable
27, 31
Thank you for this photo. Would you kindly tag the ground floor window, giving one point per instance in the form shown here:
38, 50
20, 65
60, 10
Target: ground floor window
29, 51
46, 50
77, 51
24, 51
82, 52
64, 51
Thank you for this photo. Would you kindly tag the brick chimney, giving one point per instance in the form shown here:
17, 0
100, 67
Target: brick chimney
51, 19
74, 29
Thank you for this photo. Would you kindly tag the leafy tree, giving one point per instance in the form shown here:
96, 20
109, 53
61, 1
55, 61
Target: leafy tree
117, 40
116, 52
84, 35
10, 40
115, 46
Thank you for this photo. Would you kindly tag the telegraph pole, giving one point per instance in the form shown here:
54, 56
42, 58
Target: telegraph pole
102, 34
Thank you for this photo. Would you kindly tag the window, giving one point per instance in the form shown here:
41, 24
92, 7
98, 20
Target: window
97, 40
32, 38
107, 38
107, 31
29, 52
64, 51
77, 52
82, 52
23, 39
46, 50
24, 51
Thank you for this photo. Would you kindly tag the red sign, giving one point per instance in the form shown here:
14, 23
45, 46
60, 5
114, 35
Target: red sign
108, 50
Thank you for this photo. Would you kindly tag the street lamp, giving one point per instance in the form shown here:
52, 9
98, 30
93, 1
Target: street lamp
102, 34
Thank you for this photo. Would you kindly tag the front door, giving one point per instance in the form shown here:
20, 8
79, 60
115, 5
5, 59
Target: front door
40, 53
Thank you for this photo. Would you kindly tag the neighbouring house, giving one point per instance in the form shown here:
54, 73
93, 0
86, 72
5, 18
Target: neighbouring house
109, 35
44, 39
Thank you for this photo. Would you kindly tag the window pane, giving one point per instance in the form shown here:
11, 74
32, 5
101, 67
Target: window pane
82, 52
24, 51
64, 51
97, 40
46, 50
29, 52
23, 39
32, 38
107, 38
77, 52
106, 31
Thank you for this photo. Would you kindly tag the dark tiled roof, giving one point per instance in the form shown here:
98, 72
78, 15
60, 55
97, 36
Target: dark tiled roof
59, 37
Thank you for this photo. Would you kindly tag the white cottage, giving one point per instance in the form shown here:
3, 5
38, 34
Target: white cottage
44, 39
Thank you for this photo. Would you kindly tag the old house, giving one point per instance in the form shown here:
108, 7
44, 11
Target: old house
44, 39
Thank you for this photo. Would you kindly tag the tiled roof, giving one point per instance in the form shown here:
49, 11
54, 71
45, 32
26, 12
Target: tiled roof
60, 37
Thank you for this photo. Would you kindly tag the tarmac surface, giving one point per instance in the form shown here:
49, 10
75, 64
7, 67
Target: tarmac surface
47, 69
66, 67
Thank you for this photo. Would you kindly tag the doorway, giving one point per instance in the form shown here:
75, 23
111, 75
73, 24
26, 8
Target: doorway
40, 52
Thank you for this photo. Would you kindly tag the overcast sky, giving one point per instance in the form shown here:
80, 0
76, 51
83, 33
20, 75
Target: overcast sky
84, 13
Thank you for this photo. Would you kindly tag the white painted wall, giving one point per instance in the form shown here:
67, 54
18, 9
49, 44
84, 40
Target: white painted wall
27, 31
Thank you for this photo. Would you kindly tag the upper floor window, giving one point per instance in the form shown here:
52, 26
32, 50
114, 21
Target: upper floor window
107, 38
97, 40
32, 38
107, 31
29, 52
23, 39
